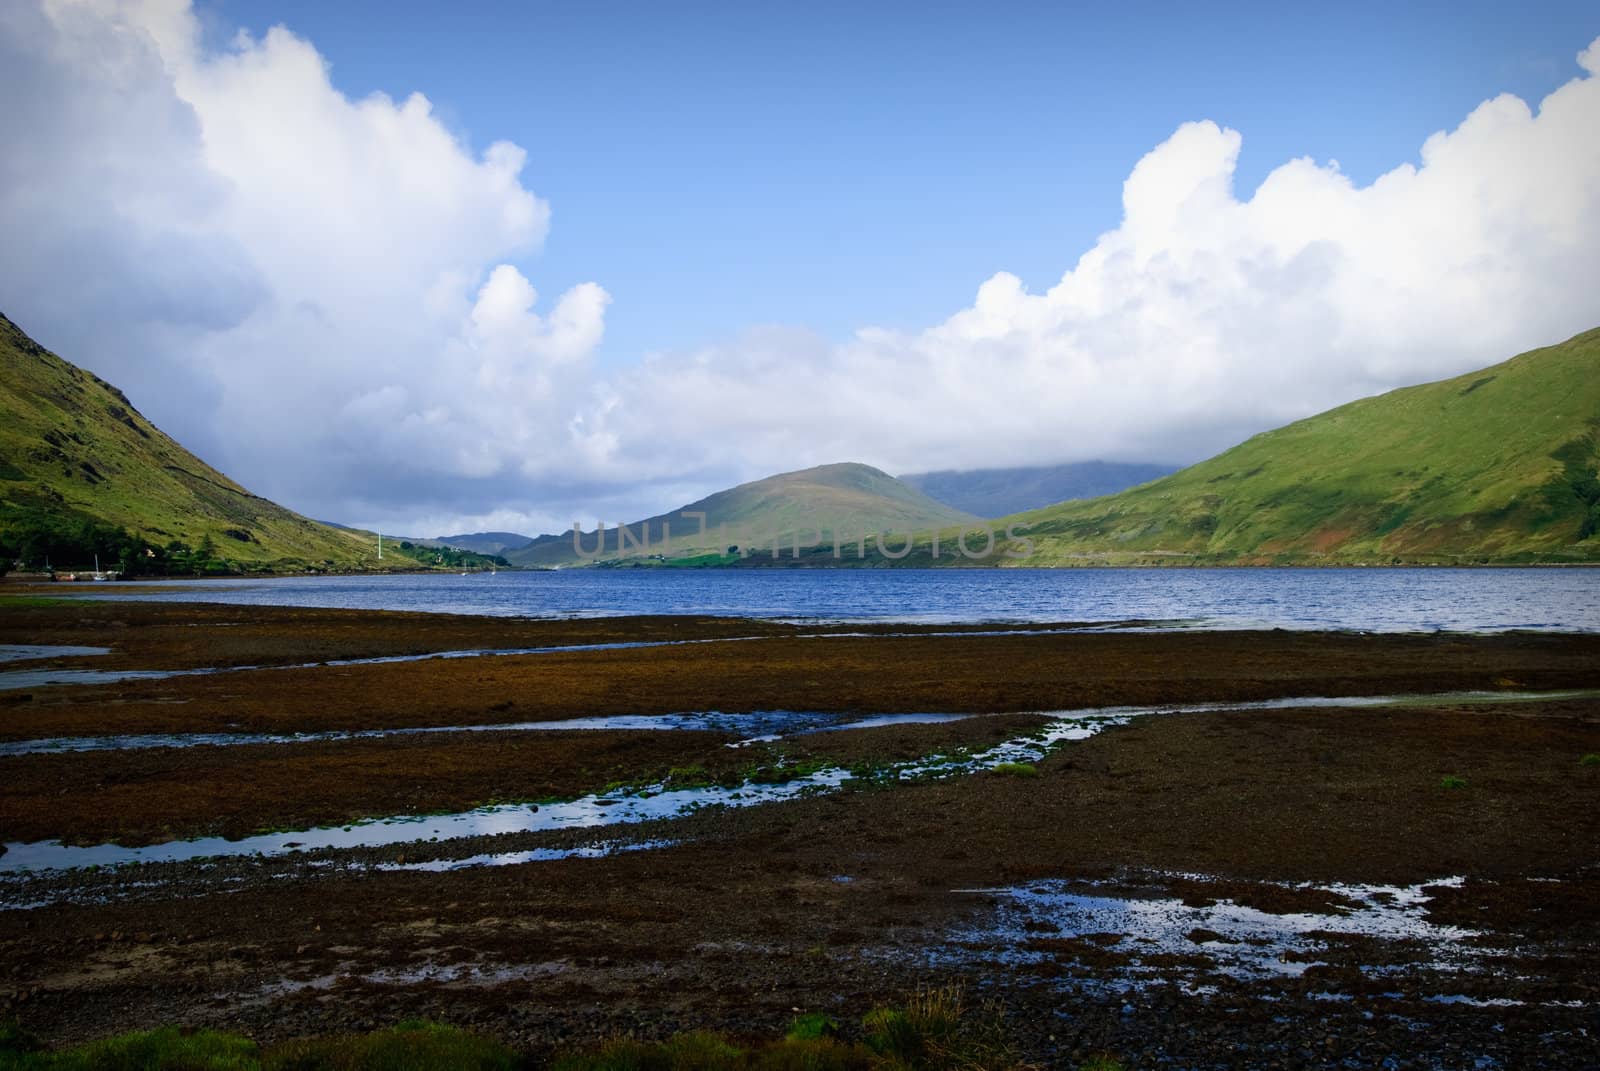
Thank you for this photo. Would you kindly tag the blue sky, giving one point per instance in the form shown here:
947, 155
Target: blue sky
839, 165
622, 256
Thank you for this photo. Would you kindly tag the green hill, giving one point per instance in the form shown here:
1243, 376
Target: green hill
1495, 466
811, 505
83, 473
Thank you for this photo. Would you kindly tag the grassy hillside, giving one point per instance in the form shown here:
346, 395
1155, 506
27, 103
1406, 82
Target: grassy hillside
1495, 466
812, 504
999, 492
78, 463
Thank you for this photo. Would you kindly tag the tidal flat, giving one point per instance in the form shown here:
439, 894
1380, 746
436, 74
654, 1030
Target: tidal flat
1410, 880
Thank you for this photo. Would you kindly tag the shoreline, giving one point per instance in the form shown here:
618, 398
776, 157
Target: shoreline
1156, 562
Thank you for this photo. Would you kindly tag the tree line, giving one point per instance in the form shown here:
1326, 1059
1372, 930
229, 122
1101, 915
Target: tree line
35, 540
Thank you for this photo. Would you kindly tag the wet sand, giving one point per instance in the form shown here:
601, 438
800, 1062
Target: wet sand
836, 902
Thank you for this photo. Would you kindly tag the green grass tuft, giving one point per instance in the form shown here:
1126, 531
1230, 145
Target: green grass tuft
166, 1049
621, 1054
1102, 1063
811, 1026
937, 1031
701, 1050
1016, 769
410, 1046
1591, 759
813, 1054
1452, 781
688, 777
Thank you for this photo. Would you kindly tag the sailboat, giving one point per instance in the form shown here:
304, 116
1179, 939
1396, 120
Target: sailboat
98, 575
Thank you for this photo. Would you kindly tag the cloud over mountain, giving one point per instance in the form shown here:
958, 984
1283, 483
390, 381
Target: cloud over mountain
321, 295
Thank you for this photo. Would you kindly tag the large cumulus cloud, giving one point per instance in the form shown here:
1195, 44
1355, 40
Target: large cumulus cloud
1203, 317
312, 291
323, 294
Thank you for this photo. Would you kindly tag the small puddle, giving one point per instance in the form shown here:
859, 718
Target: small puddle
531, 855
1149, 939
879, 721
23, 652
40, 678
752, 727
445, 975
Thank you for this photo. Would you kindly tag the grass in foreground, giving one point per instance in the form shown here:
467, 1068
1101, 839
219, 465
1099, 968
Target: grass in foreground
410, 1046
934, 1030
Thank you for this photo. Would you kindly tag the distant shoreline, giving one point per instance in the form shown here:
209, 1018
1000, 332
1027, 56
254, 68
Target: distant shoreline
43, 582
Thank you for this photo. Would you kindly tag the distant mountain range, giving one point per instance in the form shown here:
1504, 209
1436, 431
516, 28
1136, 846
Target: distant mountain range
999, 492
1496, 466
479, 542
809, 506
1499, 466
83, 473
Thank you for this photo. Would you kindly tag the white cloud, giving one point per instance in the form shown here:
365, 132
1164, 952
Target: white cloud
1200, 319
310, 290
320, 293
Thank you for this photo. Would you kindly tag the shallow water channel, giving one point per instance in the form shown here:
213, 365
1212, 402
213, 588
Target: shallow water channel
49, 677
665, 801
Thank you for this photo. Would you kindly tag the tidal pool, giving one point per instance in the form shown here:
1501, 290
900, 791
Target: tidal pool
24, 652
758, 726
665, 801
40, 678
1156, 937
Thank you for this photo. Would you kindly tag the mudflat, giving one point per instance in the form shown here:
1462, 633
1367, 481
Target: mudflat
1301, 886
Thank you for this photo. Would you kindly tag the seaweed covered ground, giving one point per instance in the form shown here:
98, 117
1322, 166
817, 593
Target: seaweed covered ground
1400, 884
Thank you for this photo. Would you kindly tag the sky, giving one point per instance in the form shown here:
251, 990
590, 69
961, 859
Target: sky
513, 265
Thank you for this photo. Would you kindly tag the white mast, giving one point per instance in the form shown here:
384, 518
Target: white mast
380, 546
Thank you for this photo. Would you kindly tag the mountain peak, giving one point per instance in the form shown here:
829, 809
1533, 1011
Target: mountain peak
845, 498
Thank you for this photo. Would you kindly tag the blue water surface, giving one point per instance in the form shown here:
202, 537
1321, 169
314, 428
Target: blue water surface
1366, 599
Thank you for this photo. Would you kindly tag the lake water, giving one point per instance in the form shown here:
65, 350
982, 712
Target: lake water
1371, 599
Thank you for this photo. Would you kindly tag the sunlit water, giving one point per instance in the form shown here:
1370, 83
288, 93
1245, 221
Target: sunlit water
23, 652
752, 727
623, 806
48, 676
1371, 599
603, 809
1218, 937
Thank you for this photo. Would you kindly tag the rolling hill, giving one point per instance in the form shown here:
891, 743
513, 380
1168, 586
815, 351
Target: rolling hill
1498, 465
811, 504
78, 463
999, 492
